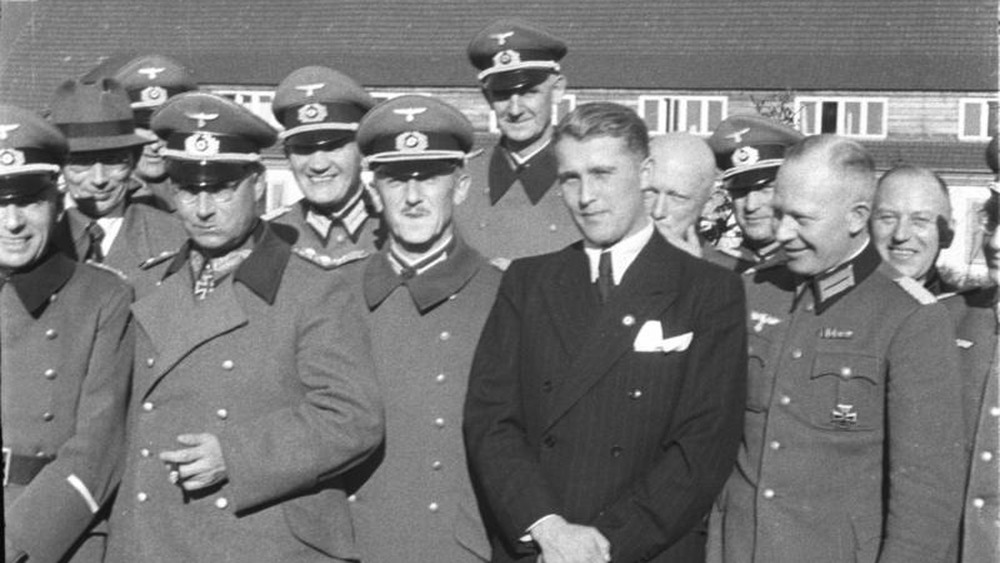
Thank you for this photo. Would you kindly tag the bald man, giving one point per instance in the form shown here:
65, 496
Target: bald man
912, 222
853, 439
683, 176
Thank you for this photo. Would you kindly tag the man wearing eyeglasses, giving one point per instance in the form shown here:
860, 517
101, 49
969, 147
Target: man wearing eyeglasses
254, 388
975, 313
320, 109
105, 227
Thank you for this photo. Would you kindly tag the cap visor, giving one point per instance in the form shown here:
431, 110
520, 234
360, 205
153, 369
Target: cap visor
751, 179
515, 79
319, 137
24, 186
416, 168
85, 144
204, 173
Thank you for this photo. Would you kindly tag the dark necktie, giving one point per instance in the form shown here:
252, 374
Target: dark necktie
605, 279
96, 234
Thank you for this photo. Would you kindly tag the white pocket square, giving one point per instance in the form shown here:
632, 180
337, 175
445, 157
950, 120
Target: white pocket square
650, 339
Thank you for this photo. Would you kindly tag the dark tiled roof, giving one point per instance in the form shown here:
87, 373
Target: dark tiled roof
940, 156
683, 44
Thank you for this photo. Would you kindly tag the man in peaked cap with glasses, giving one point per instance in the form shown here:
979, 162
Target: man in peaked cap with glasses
254, 386
514, 209
150, 80
65, 358
105, 226
749, 149
428, 293
320, 109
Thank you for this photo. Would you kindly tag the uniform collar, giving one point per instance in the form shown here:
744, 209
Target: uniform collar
830, 286
537, 173
427, 289
37, 285
352, 216
261, 272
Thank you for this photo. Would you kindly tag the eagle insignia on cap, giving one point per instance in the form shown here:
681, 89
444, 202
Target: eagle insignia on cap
11, 157
501, 37
5, 129
150, 72
309, 89
153, 94
411, 141
312, 113
507, 58
202, 118
744, 156
409, 113
203, 144
737, 136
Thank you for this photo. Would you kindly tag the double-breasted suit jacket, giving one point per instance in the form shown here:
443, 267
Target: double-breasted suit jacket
66, 344
564, 416
146, 232
515, 210
415, 501
976, 325
276, 363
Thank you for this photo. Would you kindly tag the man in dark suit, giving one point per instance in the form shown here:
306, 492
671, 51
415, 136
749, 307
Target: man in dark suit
603, 410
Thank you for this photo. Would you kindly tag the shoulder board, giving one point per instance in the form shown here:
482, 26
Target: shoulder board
275, 213
735, 253
121, 275
500, 263
158, 259
916, 290
327, 262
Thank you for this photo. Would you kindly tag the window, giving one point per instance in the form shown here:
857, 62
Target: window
257, 101
850, 117
566, 105
976, 119
694, 114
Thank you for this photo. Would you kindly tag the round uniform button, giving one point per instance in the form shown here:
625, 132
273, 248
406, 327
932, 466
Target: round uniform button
628, 320
785, 399
986, 456
51, 333
439, 422
47, 417
768, 493
433, 507
53, 298
775, 444
978, 502
635, 394
227, 365
436, 465
553, 227
995, 411
482, 224
616, 451
340, 238
352, 498
445, 335
796, 353
144, 452
221, 502
50, 373
147, 406
142, 497
440, 377
223, 414
845, 372
150, 362
549, 441
810, 307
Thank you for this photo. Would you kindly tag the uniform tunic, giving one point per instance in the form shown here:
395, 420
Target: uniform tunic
361, 231
975, 316
415, 501
276, 363
65, 358
742, 259
515, 211
852, 446
146, 232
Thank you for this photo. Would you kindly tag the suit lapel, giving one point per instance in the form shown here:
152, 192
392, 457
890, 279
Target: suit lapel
648, 289
176, 323
570, 299
132, 242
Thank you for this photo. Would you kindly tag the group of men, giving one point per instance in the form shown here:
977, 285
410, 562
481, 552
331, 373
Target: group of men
430, 365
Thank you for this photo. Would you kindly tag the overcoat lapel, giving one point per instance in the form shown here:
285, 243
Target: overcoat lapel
176, 323
648, 289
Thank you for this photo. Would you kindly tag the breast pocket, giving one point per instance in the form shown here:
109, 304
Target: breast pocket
759, 380
847, 392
